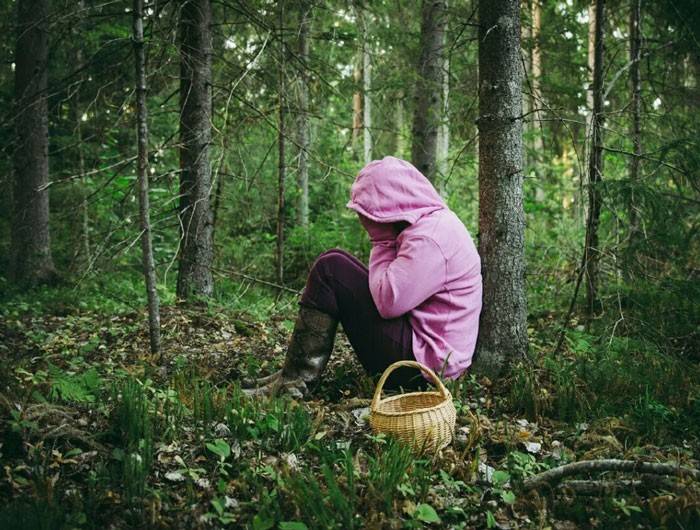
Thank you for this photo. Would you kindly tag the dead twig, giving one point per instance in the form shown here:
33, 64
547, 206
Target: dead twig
223, 272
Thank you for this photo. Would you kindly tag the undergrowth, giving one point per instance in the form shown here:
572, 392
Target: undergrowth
96, 433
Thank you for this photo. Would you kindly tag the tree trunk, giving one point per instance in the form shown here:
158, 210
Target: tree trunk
366, 87
443, 137
582, 199
428, 110
636, 110
149, 269
78, 114
528, 95
30, 252
503, 332
304, 128
595, 168
281, 168
400, 122
196, 223
357, 104
537, 102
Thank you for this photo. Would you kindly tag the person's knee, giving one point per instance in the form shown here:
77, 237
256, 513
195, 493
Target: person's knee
338, 263
334, 251
330, 260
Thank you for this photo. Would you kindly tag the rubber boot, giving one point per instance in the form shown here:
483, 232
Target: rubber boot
308, 353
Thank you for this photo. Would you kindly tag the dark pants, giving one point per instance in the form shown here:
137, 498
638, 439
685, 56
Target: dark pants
338, 284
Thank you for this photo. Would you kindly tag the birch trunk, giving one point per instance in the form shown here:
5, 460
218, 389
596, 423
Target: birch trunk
583, 211
528, 95
367, 100
357, 104
537, 102
443, 138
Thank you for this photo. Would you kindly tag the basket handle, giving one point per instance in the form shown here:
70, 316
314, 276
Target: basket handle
410, 364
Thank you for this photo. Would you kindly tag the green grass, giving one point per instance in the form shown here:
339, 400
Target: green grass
276, 463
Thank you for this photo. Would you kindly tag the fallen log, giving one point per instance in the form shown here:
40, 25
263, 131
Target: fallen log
552, 477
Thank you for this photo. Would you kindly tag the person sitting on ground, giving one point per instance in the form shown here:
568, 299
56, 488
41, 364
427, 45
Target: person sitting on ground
419, 299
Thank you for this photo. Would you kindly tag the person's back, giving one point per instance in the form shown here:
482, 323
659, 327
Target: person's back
419, 299
432, 271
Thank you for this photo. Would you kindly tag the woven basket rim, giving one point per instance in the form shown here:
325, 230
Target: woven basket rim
446, 401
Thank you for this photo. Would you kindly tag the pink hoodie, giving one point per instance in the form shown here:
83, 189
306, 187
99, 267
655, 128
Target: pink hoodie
431, 270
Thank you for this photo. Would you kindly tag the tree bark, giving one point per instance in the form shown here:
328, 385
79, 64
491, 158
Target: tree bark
552, 477
281, 167
429, 88
357, 104
503, 333
31, 261
303, 128
366, 88
636, 110
196, 220
582, 199
400, 121
149, 269
528, 94
595, 168
537, 102
443, 136
78, 113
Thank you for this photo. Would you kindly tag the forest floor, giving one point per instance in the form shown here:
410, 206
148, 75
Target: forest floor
98, 433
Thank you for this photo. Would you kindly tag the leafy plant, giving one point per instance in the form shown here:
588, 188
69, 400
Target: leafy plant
80, 387
19, 423
223, 450
132, 422
386, 472
523, 465
329, 502
627, 509
220, 513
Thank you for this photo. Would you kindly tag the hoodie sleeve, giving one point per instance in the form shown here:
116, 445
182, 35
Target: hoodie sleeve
403, 275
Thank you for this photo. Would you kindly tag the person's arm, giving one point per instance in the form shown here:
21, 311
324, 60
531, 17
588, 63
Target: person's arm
379, 232
401, 277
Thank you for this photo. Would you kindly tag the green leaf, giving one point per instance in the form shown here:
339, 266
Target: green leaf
220, 447
426, 513
508, 497
500, 477
292, 525
273, 423
262, 522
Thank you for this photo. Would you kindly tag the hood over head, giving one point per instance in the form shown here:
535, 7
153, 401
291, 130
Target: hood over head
391, 190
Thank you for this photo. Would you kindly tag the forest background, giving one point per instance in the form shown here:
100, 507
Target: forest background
99, 428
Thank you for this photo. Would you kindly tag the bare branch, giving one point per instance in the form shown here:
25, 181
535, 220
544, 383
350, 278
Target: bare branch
552, 477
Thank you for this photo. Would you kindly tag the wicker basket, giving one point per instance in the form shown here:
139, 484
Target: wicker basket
424, 420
